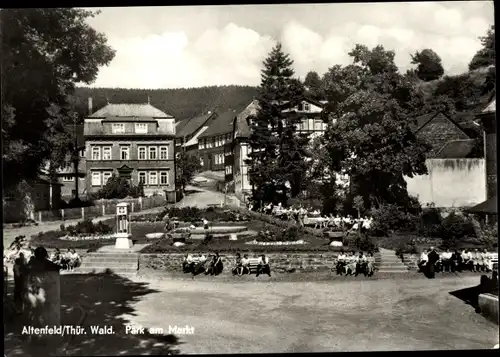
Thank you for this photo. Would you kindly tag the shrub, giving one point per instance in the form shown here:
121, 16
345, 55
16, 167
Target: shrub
119, 187
87, 227
456, 226
406, 247
361, 242
389, 218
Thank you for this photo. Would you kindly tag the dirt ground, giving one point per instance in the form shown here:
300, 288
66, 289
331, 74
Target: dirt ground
341, 315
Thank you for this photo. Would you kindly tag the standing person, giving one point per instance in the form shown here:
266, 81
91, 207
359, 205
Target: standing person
433, 259
168, 223
424, 260
19, 271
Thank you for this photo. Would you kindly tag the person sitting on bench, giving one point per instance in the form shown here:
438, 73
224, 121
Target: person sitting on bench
263, 266
238, 267
56, 256
245, 264
200, 266
216, 265
188, 263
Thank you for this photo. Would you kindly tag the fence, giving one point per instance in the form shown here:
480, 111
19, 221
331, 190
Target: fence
100, 208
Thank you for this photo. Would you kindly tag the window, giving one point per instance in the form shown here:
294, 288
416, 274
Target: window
301, 107
153, 178
307, 107
209, 143
118, 128
201, 161
222, 158
68, 178
142, 177
96, 178
164, 178
318, 124
96, 153
163, 152
303, 124
141, 150
141, 128
106, 153
202, 144
223, 139
124, 153
229, 170
82, 153
178, 142
216, 159
152, 153
106, 176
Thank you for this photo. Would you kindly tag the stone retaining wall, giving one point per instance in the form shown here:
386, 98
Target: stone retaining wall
279, 262
410, 261
489, 306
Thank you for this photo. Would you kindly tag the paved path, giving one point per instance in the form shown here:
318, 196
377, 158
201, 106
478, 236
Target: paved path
274, 317
202, 198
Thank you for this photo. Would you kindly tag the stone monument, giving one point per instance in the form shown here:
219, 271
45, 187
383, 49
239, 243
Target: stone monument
122, 235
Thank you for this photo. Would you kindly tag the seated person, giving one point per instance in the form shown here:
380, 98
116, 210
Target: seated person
245, 263
263, 267
446, 260
361, 264
467, 262
238, 267
65, 259
74, 260
188, 263
200, 266
475, 257
456, 261
216, 265
56, 256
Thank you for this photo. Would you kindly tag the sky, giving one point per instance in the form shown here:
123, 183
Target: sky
193, 46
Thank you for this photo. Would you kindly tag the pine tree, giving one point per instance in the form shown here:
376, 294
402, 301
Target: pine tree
277, 151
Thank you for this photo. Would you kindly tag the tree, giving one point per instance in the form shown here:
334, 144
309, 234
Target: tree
485, 56
277, 158
313, 85
371, 108
429, 65
187, 167
45, 52
115, 187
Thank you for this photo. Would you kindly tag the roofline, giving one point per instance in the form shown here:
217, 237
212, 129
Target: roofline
447, 117
452, 141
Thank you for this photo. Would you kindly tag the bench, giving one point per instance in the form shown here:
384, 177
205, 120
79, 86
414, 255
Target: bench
253, 263
494, 261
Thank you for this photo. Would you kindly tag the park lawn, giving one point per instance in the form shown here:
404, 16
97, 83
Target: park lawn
224, 245
51, 239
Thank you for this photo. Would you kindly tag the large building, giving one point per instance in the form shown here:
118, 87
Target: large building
237, 153
188, 131
212, 141
134, 141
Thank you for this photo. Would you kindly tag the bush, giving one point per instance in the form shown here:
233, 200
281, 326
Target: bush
390, 218
361, 242
86, 227
76, 203
119, 187
406, 247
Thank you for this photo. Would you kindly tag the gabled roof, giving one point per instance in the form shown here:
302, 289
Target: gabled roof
129, 110
491, 107
423, 120
223, 124
456, 149
193, 124
194, 139
241, 125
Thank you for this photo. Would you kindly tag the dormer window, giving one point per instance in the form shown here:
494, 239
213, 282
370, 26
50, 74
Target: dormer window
307, 107
141, 128
118, 128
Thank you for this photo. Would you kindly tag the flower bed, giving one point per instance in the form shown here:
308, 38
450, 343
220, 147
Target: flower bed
91, 237
255, 242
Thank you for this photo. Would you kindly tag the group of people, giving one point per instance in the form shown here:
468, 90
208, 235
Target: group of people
313, 217
197, 264
69, 260
447, 261
351, 263
242, 265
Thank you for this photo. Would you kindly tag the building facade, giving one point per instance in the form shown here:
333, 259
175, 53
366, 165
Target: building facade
188, 131
212, 141
134, 141
311, 124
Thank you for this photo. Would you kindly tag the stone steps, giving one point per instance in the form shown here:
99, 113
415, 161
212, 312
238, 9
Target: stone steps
117, 262
390, 263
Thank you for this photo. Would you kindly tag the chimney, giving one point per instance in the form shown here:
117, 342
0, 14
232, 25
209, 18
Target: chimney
90, 105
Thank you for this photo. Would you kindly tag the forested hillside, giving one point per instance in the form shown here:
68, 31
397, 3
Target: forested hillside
181, 103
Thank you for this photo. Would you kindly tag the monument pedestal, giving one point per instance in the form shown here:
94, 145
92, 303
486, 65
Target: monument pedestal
123, 241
